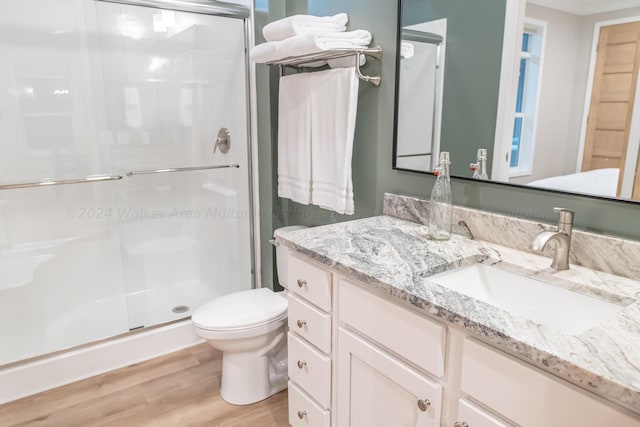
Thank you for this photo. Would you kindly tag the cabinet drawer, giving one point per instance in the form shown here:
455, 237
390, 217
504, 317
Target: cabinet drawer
304, 412
475, 417
310, 282
528, 396
310, 369
414, 337
310, 323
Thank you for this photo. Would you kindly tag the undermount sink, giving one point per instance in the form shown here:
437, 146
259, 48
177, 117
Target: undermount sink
533, 299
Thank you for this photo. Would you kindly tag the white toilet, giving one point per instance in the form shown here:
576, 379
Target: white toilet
249, 327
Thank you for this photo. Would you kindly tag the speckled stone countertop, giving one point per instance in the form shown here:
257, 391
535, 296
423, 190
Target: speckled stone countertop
395, 256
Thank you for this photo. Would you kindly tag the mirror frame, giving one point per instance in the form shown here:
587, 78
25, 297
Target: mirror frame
508, 86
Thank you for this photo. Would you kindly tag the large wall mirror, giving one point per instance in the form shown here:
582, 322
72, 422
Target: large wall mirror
573, 117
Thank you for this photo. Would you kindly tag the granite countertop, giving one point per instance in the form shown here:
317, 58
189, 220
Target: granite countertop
395, 256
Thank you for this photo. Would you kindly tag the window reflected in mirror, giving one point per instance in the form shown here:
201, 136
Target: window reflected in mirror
573, 114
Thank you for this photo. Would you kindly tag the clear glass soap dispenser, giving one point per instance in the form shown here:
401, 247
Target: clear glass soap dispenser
441, 205
480, 167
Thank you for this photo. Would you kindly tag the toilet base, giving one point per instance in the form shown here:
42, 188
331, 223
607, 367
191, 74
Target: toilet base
248, 378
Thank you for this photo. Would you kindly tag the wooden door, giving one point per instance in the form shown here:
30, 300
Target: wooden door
614, 88
377, 390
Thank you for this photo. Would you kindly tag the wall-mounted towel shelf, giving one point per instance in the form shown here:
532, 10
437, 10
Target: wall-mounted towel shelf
301, 62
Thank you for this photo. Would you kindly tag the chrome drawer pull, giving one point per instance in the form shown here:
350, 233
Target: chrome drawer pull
302, 363
301, 282
302, 323
302, 414
461, 424
423, 405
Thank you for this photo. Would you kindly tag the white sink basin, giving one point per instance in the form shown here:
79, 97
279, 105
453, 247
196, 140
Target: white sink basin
533, 299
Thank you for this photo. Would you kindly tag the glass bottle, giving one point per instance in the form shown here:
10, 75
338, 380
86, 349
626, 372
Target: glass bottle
480, 167
441, 205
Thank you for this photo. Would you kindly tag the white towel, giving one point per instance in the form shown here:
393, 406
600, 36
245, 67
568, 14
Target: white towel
309, 43
334, 104
304, 24
346, 61
316, 125
294, 138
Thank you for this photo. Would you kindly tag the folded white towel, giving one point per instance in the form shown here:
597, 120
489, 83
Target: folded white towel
309, 43
294, 137
304, 24
334, 104
406, 50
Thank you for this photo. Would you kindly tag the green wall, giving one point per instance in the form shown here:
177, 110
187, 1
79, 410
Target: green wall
372, 171
472, 73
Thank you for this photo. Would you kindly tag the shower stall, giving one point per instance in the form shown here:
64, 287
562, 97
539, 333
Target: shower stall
125, 197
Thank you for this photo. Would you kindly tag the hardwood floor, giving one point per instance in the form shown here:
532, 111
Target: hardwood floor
178, 389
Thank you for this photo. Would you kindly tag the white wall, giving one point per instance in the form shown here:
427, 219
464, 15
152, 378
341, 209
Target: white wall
565, 75
558, 125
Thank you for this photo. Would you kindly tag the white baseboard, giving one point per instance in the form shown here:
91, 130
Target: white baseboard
44, 374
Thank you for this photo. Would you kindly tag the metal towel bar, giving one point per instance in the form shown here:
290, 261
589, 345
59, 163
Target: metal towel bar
95, 178
302, 61
99, 178
194, 168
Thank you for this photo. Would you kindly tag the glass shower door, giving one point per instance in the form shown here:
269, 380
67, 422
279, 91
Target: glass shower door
171, 81
95, 88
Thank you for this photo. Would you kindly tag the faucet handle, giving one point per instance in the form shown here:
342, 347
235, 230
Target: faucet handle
566, 215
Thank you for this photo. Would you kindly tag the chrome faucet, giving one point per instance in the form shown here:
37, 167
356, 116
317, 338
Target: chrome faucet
562, 237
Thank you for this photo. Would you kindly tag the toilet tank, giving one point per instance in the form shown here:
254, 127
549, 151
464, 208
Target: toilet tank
281, 253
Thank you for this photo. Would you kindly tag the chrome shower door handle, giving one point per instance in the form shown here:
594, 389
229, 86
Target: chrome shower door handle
223, 141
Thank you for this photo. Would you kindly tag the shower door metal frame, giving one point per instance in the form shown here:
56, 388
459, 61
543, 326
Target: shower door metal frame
206, 7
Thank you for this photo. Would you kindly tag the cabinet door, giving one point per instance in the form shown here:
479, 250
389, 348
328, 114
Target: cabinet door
377, 390
471, 415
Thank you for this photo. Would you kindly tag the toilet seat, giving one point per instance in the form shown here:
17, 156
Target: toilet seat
239, 311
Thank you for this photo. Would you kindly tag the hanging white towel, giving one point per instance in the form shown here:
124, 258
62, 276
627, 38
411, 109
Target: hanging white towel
334, 104
309, 43
346, 61
294, 137
304, 24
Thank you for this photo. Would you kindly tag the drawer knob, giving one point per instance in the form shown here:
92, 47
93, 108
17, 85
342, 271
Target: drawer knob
302, 323
461, 424
423, 405
301, 282
302, 414
302, 363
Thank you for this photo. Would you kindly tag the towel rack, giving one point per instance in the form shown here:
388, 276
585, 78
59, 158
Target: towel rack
93, 178
99, 178
299, 62
193, 168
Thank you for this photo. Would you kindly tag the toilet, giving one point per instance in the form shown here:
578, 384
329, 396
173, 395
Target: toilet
249, 327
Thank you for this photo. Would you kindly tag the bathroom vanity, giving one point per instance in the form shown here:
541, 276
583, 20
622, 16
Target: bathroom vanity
375, 340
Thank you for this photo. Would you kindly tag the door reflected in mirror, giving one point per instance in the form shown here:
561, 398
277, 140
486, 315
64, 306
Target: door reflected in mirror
422, 52
576, 123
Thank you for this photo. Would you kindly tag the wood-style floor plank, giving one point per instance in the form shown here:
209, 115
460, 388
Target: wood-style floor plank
178, 389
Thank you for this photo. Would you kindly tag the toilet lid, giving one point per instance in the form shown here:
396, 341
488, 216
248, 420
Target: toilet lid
240, 310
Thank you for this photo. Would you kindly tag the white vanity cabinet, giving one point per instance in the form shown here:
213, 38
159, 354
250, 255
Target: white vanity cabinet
309, 343
357, 358
527, 395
